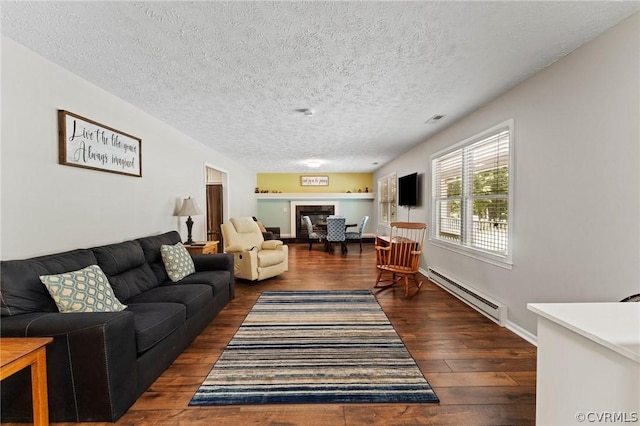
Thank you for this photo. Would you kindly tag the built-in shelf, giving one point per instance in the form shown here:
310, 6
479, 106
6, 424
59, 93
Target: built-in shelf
316, 196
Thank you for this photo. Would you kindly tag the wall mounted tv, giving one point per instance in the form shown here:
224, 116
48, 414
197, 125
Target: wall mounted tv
408, 190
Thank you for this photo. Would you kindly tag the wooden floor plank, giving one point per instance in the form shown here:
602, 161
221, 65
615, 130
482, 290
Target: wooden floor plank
482, 378
499, 364
482, 373
470, 395
491, 414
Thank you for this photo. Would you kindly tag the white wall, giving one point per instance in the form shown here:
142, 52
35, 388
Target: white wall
577, 180
47, 207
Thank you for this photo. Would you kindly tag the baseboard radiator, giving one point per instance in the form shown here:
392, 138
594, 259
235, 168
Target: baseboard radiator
494, 310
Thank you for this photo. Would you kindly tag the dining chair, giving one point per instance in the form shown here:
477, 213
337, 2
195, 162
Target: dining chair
357, 236
336, 232
313, 235
398, 255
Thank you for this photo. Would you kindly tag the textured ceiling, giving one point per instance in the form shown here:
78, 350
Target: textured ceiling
235, 75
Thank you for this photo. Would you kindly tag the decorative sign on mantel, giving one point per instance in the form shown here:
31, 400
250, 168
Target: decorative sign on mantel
88, 144
314, 180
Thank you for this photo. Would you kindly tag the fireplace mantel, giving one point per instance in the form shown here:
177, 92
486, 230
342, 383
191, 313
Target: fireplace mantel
315, 196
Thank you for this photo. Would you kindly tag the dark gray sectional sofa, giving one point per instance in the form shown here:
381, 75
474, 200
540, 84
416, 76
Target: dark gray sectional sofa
99, 363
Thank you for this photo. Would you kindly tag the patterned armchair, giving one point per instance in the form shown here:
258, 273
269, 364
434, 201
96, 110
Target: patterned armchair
357, 236
336, 232
313, 235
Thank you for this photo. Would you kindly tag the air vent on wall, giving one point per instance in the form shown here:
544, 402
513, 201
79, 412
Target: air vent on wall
435, 119
306, 111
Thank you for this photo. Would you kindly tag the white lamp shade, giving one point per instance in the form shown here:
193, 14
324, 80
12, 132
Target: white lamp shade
189, 208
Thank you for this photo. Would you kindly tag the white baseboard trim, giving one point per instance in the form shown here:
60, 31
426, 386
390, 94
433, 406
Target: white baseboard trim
526, 335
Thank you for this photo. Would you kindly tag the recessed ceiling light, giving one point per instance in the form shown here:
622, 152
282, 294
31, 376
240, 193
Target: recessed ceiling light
313, 164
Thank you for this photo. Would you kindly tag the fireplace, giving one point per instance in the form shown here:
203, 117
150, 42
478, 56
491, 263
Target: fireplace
317, 212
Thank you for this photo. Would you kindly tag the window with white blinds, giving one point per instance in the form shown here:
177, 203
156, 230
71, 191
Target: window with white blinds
387, 203
471, 208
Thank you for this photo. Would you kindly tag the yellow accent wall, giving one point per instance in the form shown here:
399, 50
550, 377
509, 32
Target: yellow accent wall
338, 182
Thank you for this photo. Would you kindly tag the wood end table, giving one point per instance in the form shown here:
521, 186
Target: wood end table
17, 353
206, 247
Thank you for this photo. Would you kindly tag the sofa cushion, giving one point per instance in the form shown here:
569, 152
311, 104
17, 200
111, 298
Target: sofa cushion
217, 280
85, 290
177, 261
155, 321
193, 296
151, 248
125, 266
20, 286
270, 258
242, 233
245, 225
261, 226
211, 278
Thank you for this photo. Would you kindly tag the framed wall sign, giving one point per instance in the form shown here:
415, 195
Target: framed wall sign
91, 145
314, 180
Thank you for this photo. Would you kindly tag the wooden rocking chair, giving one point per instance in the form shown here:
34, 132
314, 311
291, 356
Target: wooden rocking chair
398, 255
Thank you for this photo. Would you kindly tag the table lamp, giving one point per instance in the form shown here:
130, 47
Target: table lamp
189, 208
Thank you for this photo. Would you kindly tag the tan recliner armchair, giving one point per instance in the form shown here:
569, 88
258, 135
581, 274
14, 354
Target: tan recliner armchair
254, 258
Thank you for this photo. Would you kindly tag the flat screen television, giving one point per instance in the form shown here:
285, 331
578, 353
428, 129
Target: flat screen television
408, 190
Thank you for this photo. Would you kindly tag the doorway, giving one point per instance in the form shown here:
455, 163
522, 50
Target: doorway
215, 206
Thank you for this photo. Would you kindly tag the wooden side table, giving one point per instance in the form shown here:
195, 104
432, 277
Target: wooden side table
209, 247
17, 353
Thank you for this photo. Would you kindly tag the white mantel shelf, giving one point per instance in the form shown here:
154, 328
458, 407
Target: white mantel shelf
315, 196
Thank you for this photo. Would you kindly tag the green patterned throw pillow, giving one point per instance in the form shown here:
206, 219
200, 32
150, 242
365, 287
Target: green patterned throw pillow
177, 261
85, 290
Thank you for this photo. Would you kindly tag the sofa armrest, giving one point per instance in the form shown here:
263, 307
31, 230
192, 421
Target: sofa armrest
91, 365
216, 262
237, 248
246, 264
271, 244
213, 262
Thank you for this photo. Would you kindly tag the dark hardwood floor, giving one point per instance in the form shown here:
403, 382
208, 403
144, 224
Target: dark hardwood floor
482, 373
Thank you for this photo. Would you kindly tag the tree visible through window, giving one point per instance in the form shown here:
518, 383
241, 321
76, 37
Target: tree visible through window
470, 194
387, 199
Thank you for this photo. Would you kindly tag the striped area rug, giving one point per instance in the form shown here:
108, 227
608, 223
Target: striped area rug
315, 347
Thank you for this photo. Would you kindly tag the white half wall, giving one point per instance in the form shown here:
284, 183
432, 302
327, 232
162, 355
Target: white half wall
577, 180
47, 207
